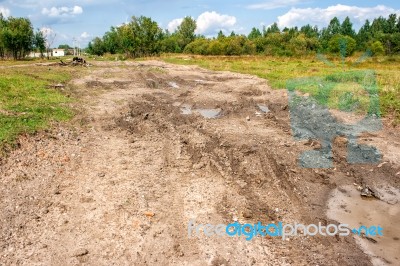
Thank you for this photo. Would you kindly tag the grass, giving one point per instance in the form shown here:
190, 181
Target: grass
28, 103
346, 95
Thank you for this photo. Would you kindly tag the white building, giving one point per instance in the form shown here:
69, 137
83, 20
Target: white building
58, 52
37, 55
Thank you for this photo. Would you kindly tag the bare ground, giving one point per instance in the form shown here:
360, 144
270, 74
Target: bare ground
120, 184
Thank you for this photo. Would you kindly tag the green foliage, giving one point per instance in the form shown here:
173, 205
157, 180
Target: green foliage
142, 37
254, 34
17, 36
186, 32
39, 42
347, 28
342, 45
377, 48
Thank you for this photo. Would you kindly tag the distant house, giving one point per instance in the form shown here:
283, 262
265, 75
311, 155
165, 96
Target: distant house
37, 55
58, 52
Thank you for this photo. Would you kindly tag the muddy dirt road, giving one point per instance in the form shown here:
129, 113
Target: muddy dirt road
157, 145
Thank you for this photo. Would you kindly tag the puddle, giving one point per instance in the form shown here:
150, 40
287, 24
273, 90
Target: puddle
173, 85
263, 108
186, 109
348, 207
209, 113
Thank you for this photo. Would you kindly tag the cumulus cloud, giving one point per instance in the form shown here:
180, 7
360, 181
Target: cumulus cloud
322, 16
210, 22
47, 31
85, 35
273, 4
173, 25
62, 11
5, 11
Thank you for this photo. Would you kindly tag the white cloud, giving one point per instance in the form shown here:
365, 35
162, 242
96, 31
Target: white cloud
5, 11
85, 35
47, 31
209, 22
62, 11
273, 4
173, 25
322, 16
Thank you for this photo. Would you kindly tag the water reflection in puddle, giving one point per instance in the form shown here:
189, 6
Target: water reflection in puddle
348, 207
263, 108
186, 109
173, 85
209, 113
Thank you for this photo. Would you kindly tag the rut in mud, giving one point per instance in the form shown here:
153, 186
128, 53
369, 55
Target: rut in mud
121, 184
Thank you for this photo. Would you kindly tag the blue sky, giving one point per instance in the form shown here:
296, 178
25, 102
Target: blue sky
85, 19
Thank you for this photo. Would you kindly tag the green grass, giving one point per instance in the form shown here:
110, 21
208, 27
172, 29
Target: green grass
28, 103
347, 95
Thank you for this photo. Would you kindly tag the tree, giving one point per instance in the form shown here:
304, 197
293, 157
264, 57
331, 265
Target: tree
18, 37
96, 47
364, 35
327, 33
377, 48
39, 42
391, 23
64, 46
347, 28
343, 45
111, 41
272, 29
254, 34
3, 25
186, 32
221, 35
334, 27
309, 31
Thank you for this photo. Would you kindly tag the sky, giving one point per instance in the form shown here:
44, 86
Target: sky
82, 20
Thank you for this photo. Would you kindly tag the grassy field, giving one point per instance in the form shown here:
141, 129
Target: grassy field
28, 102
347, 95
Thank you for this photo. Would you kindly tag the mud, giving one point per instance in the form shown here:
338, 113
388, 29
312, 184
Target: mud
120, 183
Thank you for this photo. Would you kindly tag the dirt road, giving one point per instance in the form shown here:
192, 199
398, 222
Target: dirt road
157, 145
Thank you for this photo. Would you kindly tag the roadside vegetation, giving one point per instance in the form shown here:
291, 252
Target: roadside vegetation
143, 37
29, 101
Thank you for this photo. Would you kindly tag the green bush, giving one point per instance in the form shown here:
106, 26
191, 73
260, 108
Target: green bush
342, 45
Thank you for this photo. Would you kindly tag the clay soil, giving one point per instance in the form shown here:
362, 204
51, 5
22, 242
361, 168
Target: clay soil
119, 184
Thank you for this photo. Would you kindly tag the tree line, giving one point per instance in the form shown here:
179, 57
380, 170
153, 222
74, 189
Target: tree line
143, 37
18, 38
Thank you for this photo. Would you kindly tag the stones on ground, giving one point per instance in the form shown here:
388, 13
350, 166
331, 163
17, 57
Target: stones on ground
248, 118
80, 252
149, 214
151, 83
101, 174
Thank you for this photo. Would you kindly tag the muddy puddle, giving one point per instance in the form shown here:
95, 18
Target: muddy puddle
187, 109
173, 85
263, 108
209, 113
347, 207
